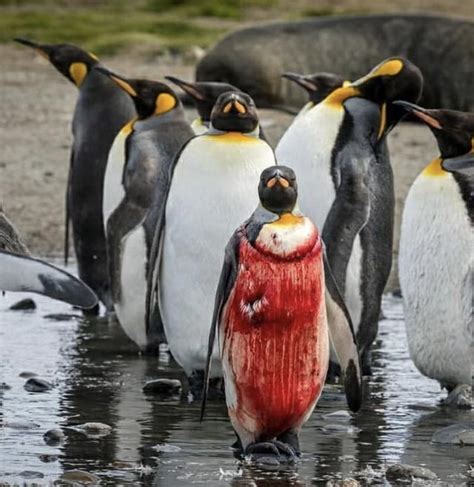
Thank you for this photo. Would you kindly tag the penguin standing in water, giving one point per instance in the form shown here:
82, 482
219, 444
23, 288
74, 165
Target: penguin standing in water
347, 190
317, 85
138, 168
101, 111
204, 95
276, 306
436, 258
210, 193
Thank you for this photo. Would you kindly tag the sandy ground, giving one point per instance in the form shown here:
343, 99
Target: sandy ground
36, 107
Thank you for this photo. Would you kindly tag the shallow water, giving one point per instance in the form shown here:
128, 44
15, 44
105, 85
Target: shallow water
98, 377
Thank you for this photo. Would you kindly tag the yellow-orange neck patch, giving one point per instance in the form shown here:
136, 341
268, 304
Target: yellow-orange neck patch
288, 219
127, 129
434, 169
337, 97
78, 72
234, 137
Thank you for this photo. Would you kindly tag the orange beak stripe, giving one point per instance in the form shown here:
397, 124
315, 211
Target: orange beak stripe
432, 122
277, 180
239, 107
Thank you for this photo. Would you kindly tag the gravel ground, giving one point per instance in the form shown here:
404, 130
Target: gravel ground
37, 105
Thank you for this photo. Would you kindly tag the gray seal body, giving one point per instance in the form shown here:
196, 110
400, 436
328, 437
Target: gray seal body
442, 47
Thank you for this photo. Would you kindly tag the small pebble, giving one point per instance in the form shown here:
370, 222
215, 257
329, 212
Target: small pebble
166, 448
400, 471
343, 483
163, 386
27, 375
31, 474
48, 458
397, 293
94, 430
37, 385
4, 386
74, 477
53, 437
26, 304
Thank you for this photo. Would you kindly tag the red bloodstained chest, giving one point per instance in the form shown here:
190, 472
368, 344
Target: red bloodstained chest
274, 337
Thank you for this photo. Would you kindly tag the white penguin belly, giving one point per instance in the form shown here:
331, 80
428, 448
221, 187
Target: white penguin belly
114, 192
352, 295
133, 286
306, 147
435, 267
210, 197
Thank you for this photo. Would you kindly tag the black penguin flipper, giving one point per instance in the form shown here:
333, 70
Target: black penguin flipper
21, 273
122, 221
343, 339
154, 260
67, 210
224, 288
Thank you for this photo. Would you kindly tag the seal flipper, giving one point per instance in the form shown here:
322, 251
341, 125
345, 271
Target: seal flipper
25, 274
343, 339
224, 287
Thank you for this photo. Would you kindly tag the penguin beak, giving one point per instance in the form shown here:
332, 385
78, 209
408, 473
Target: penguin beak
189, 88
121, 82
421, 113
236, 106
41, 49
278, 179
301, 80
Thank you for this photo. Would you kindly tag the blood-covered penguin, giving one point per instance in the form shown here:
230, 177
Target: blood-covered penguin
276, 305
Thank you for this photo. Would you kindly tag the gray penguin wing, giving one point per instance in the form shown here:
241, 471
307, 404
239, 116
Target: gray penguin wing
349, 211
343, 339
21, 273
67, 209
121, 222
224, 288
158, 210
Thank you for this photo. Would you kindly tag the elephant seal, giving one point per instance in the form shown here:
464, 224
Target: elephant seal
254, 58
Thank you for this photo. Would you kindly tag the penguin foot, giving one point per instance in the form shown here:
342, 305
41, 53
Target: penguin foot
460, 397
271, 450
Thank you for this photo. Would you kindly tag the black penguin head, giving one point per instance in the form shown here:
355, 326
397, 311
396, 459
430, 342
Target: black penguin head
234, 112
203, 93
454, 130
71, 61
278, 190
150, 97
317, 85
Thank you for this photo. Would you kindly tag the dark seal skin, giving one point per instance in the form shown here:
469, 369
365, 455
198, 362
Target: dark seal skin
101, 110
255, 58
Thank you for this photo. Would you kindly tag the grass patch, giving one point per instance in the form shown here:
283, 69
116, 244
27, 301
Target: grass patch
103, 30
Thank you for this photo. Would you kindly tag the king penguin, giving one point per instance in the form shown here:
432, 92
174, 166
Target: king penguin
317, 85
276, 306
347, 189
204, 95
139, 166
209, 194
100, 112
436, 258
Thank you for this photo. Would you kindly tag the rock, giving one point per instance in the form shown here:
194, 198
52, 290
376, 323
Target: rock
343, 483
48, 458
27, 375
457, 434
53, 437
399, 472
31, 474
4, 386
62, 317
166, 448
254, 58
163, 386
26, 304
93, 430
73, 477
37, 385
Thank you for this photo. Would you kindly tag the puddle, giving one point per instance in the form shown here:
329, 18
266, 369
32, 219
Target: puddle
98, 377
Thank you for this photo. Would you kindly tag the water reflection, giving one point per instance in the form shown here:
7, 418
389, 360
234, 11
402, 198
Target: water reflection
99, 377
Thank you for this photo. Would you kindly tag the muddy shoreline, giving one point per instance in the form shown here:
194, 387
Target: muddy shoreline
37, 106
